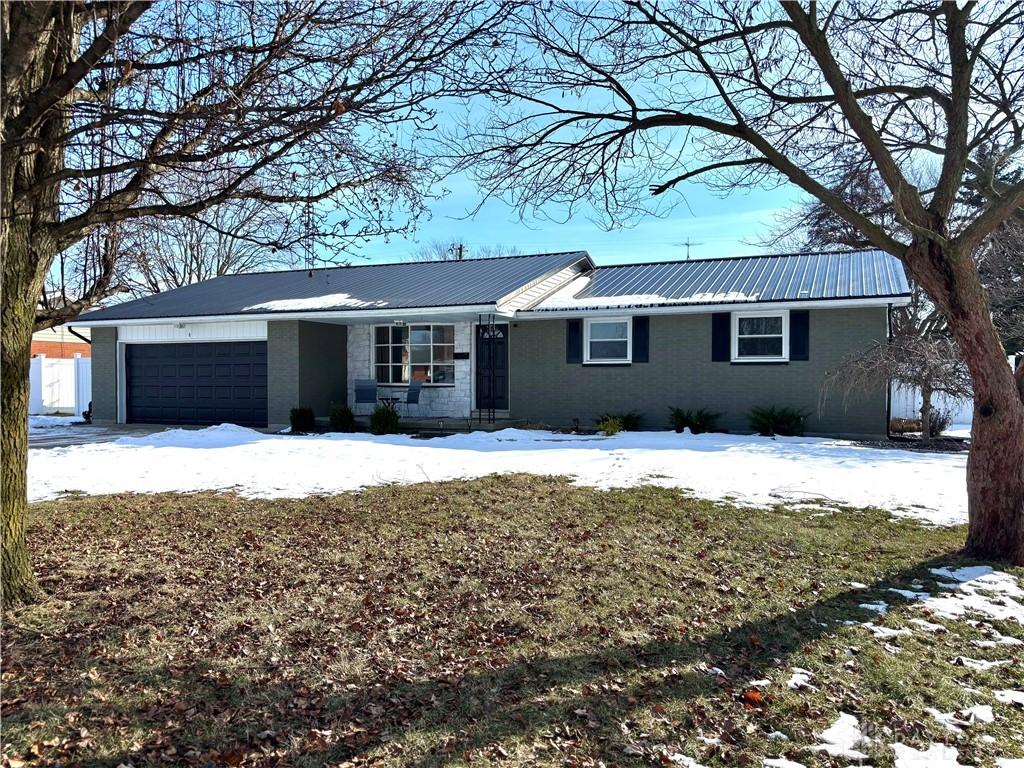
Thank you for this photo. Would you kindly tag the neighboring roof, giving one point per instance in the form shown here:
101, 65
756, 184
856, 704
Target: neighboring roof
410, 285
750, 279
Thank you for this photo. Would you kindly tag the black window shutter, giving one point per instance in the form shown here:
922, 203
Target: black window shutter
720, 322
574, 341
641, 339
799, 334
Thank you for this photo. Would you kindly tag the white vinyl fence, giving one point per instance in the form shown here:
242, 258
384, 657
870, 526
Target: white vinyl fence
906, 404
59, 385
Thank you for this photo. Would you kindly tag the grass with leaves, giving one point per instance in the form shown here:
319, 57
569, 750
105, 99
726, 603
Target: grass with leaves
509, 621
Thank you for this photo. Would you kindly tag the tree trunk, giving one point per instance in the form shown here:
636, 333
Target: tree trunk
995, 467
926, 414
18, 322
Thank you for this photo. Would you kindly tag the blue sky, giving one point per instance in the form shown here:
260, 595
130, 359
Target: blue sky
727, 226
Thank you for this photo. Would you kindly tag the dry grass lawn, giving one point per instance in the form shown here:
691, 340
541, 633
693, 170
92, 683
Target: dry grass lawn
512, 621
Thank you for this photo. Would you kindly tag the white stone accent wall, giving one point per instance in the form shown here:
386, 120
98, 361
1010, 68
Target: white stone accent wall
455, 402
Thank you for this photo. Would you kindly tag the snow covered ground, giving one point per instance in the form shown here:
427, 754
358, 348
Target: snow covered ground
746, 469
47, 424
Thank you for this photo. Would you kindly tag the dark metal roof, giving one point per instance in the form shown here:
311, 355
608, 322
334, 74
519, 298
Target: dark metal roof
751, 279
369, 286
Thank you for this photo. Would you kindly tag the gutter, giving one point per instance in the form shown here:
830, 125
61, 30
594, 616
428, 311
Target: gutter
726, 306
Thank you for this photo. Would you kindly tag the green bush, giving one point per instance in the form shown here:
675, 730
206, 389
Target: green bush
609, 425
384, 420
628, 422
697, 421
777, 421
302, 419
342, 419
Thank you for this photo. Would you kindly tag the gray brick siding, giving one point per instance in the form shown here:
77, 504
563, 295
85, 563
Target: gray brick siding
306, 366
104, 375
544, 388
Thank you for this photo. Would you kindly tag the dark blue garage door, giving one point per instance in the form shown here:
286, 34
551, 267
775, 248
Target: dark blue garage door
205, 383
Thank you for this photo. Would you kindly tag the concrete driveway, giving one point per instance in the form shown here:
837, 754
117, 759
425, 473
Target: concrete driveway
74, 432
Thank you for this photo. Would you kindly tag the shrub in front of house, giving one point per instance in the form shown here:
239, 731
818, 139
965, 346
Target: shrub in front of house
773, 420
628, 422
302, 419
900, 426
342, 419
384, 420
939, 421
697, 420
609, 425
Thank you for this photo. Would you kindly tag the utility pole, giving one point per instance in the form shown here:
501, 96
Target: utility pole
457, 251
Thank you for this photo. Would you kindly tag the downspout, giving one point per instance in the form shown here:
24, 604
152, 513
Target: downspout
73, 332
888, 386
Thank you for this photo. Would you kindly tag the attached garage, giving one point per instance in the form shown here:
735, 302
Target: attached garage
196, 383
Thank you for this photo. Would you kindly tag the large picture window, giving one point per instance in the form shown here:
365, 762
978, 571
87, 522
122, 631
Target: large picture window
608, 340
404, 353
760, 337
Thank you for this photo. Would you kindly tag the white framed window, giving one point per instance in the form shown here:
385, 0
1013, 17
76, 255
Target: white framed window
760, 336
608, 340
404, 353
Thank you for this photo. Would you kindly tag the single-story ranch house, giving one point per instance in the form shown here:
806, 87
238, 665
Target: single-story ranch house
549, 338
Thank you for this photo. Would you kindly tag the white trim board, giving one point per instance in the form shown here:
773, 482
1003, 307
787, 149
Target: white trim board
364, 315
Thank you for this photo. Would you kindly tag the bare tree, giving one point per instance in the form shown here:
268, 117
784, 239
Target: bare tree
617, 106
456, 250
236, 236
920, 355
107, 106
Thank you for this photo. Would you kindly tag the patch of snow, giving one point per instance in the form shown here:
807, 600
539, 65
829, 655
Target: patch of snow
929, 626
910, 594
1009, 696
979, 664
936, 756
801, 680
568, 297
777, 736
44, 424
1009, 762
327, 301
857, 585
753, 471
962, 718
968, 573
842, 738
884, 633
677, 758
762, 683
978, 590
997, 639
781, 762
880, 607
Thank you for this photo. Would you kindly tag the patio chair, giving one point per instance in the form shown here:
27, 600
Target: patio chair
412, 395
366, 392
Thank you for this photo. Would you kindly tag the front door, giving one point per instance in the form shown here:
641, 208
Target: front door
492, 367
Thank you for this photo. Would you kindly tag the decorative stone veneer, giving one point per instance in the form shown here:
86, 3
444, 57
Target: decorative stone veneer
435, 401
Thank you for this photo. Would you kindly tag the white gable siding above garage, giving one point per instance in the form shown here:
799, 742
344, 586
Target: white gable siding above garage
232, 330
